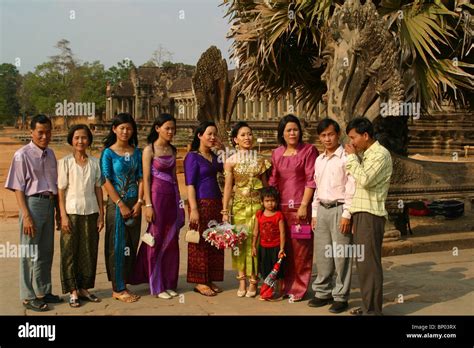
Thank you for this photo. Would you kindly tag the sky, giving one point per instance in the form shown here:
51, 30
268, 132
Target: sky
110, 30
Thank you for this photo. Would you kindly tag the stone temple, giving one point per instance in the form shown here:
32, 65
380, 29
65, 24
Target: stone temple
150, 91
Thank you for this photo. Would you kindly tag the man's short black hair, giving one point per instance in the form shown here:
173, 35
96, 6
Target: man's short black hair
76, 127
325, 123
361, 125
43, 119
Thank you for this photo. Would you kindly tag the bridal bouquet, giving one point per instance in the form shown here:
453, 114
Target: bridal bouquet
224, 235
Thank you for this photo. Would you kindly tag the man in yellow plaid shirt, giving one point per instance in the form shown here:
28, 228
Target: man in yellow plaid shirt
372, 175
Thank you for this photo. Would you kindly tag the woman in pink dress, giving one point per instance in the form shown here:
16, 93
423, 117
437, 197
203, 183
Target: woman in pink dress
292, 173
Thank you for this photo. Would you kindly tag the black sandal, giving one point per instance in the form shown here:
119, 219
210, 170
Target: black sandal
90, 298
36, 305
50, 298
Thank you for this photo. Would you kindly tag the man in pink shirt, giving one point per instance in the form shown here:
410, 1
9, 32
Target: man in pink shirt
332, 221
33, 177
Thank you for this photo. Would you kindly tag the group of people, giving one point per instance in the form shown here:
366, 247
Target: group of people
287, 205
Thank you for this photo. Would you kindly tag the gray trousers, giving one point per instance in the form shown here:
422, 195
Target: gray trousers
35, 276
329, 267
368, 231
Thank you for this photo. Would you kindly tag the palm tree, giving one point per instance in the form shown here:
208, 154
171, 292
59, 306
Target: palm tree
283, 45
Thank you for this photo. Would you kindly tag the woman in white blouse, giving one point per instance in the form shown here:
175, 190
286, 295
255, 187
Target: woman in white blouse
82, 218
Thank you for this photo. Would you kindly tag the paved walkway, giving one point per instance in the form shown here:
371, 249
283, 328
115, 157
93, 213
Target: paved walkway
433, 283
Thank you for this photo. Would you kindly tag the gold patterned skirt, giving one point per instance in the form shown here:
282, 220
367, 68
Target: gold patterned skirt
244, 208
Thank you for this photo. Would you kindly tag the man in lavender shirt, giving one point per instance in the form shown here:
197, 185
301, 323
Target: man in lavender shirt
332, 221
33, 178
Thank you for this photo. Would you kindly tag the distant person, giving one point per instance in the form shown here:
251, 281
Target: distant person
293, 176
331, 221
82, 216
158, 265
372, 175
121, 166
33, 177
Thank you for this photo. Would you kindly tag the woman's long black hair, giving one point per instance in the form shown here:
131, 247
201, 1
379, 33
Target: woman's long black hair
200, 131
159, 121
121, 118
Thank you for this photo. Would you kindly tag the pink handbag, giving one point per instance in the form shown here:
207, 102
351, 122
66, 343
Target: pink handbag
300, 231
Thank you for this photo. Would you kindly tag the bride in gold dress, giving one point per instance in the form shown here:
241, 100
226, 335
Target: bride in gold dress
244, 176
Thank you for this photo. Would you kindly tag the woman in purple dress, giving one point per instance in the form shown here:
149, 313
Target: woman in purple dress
201, 165
292, 173
159, 265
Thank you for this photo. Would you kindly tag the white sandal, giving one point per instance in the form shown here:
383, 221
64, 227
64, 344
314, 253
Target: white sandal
252, 293
164, 295
241, 293
172, 293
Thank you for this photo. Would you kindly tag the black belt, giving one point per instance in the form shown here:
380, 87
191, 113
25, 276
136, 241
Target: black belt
331, 205
44, 196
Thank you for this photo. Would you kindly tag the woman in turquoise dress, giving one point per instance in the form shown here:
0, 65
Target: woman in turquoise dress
121, 165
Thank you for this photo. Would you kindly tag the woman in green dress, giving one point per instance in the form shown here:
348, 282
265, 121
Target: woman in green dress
244, 176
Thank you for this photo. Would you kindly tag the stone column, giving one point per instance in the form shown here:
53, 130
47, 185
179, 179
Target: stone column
107, 108
254, 108
264, 106
181, 109
148, 108
234, 113
299, 109
114, 107
137, 107
188, 110
272, 109
176, 113
247, 109
279, 107
238, 109
241, 108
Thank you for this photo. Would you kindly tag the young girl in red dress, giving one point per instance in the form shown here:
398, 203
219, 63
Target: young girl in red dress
270, 227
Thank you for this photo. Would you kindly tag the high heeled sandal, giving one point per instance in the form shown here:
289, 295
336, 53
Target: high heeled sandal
241, 293
252, 293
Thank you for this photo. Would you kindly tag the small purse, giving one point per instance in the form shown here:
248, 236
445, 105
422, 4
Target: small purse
147, 238
300, 231
192, 236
